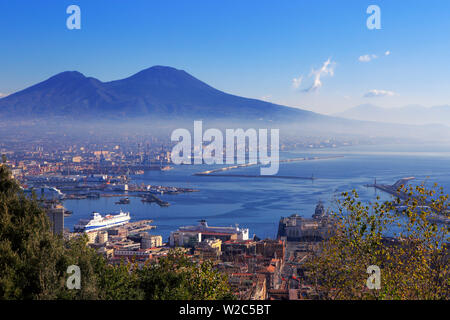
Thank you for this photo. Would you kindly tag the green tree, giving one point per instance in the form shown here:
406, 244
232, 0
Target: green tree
120, 282
34, 261
176, 277
30, 255
414, 265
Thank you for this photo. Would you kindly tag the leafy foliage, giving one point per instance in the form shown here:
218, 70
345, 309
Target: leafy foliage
414, 263
34, 261
177, 277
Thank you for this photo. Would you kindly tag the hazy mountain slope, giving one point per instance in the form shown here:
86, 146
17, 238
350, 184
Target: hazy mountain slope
157, 91
412, 114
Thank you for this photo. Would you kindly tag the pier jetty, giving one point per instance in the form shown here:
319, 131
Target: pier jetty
436, 217
219, 172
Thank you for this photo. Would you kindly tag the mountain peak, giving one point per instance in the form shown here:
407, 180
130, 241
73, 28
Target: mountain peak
68, 75
161, 80
161, 68
159, 71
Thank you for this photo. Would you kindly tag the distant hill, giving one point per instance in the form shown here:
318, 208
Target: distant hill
411, 114
154, 92
164, 98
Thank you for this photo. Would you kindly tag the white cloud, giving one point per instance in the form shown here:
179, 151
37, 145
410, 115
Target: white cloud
297, 82
379, 93
266, 98
367, 57
327, 69
370, 57
2, 95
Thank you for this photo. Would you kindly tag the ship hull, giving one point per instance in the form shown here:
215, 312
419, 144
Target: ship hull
102, 224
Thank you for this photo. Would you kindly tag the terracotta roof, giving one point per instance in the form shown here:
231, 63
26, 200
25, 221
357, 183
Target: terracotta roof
271, 268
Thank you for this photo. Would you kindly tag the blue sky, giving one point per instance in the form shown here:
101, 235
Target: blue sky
245, 47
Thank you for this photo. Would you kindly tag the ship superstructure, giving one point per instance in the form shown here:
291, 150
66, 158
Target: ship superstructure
99, 222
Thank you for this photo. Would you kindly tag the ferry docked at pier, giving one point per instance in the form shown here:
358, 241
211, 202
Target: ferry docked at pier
99, 222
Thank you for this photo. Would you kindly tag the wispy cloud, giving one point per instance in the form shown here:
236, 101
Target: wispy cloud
370, 57
327, 69
297, 82
379, 93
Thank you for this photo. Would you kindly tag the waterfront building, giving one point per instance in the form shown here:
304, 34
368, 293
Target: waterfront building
150, 241
190, 235
56, 216
184, 239
102, 237
92, 236
119, 232
297, 228
208, 249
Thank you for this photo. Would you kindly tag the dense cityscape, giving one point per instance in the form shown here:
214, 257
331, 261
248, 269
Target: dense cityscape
257, 269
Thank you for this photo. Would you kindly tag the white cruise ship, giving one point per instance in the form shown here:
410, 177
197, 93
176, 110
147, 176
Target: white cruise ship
97, 222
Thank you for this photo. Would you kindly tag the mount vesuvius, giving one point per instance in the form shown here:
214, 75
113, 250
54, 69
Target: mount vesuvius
159, 91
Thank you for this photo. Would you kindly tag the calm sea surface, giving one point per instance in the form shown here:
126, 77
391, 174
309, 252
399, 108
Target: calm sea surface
258, 203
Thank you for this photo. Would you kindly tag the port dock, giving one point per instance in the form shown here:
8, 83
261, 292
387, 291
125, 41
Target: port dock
218, 172
139, 226
392, 189
435, 216
152, 198
254, 176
